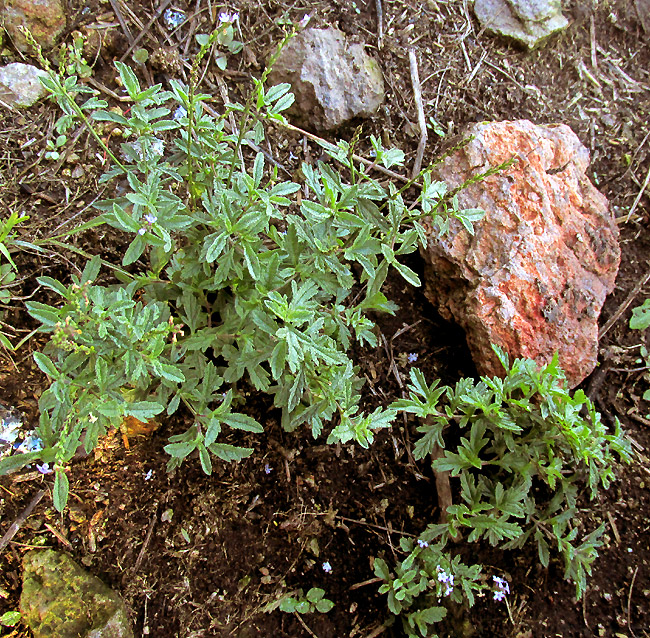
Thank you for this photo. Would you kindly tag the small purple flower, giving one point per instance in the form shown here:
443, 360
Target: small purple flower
502, 588
412, 357
148, 475
150, 219
446, 579
180, 112
44, 469
422, 543
231, 18
327, 568
267, 468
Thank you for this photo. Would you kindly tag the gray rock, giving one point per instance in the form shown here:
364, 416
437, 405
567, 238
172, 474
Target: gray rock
332, 79
529, 22
19, 84
62, 600
534, 276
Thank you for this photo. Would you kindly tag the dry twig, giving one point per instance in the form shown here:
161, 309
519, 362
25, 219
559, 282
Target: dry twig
623, 307
638, 197
417, 94
147, 540
15, 526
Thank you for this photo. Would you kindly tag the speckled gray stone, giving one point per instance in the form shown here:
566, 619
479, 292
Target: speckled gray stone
528, 22
333, 79
19, 84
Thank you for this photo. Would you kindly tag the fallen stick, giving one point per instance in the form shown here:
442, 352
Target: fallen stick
417, 94
623, 307
442, 485
15, 526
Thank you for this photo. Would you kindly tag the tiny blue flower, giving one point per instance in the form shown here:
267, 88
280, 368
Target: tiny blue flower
148, 475
327, 568
142, 231
267, 468
173, 18
499, 595
180, 113
44, 469
422, 543
412, 357
150, 218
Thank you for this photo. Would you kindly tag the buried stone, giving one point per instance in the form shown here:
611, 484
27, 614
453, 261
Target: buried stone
534, 276
528, 22
62, 600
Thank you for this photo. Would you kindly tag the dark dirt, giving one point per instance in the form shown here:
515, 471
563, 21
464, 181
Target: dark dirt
197, 556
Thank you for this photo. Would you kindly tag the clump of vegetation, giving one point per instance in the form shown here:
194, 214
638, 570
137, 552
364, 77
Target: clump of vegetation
523, 447
233, 282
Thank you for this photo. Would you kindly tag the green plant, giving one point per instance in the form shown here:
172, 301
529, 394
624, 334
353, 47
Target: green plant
10, 618
306, 604
53, 147
521, 447
425, 577
9, 243
640, 319
233, 285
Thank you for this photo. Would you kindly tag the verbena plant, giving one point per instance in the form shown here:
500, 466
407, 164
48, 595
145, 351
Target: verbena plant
523, 448
233, 283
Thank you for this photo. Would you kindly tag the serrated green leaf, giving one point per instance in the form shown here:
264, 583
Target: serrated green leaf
180, 450
143, 410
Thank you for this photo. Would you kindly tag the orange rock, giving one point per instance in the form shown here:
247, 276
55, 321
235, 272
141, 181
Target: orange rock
534, 276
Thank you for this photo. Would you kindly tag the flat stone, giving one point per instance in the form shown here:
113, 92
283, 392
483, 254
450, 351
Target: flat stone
62, 600
333, 80
45, 19
19, 84
534, 276
529, 22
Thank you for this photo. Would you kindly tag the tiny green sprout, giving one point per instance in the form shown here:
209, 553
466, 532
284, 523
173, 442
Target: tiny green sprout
140, 56
436, 127
314, 601
53, 147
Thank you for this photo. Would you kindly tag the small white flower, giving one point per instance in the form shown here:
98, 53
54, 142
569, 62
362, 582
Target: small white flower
304, 21
327, 568
230, 18
150, 219
142, 231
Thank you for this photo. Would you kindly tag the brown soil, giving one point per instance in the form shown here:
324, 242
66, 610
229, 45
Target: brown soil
197, 556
